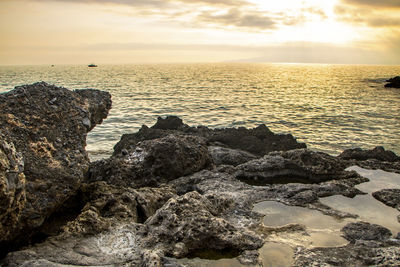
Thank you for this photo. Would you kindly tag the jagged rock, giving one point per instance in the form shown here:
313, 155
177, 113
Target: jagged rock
228, 156
104, 232
390, 197
258, 141
188, 224
362, 254
153, 162
12, 187
365, 231
105, 205
118, 246
393, 82
299, 165
48, 126
378, 153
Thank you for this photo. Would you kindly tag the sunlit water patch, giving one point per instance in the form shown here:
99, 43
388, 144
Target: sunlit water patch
366, 206
321, 230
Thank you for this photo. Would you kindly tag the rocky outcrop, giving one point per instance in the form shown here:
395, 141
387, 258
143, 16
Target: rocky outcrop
365, 231
393, 82
12, 187
377, 158
378, 153
153, 162
188, 224
48, 126
258, 141
390, 197
300, 165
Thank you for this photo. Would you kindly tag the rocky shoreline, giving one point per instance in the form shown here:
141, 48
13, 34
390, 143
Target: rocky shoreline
168, 191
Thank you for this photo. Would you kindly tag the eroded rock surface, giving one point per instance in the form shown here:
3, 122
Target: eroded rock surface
12, 187
365, 231
390, 197
377, 158
153, 162
299, 165
188, 224
48, 126
258, 141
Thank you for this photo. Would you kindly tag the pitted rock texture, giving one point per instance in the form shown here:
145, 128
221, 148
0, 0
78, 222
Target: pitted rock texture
390, 197
48, 126
299, 165
365, 231
105, 206
257, 141
188, 224
378, 153
153, 162
12, 187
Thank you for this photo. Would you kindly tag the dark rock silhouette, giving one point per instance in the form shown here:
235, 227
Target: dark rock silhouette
393, 82
258, 141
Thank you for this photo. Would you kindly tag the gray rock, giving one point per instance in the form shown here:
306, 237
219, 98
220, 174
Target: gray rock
153, 162
365, 231
189, 224
257, 141
300, 165
363, 254
227, 156
390, 197
378, 153
46, 125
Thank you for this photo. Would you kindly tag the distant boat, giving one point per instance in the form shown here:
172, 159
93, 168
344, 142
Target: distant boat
92, 66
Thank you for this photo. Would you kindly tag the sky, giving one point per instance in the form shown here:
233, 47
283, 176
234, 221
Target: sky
190, 31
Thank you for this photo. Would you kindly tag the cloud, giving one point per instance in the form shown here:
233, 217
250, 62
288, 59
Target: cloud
234, 17
367, 16
374, 3
157, 3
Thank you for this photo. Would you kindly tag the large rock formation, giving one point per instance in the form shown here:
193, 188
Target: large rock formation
258, 141
48, 126
188, 225
153, 162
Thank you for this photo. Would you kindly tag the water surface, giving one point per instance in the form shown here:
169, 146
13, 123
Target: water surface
330, 107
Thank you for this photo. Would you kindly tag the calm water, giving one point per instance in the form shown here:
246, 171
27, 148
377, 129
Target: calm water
330, 107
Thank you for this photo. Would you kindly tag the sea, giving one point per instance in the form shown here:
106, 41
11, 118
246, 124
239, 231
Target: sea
329, 107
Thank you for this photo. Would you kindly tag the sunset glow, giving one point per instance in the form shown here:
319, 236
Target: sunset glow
152, 31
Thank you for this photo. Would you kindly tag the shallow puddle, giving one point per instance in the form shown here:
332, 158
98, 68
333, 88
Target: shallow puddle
278, 214
321, 230
366, 206
276, 255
